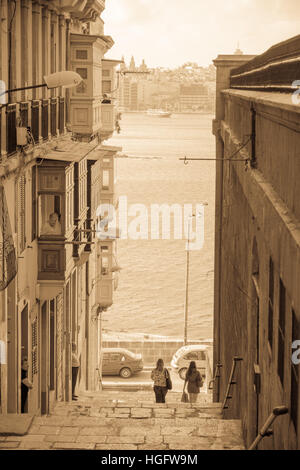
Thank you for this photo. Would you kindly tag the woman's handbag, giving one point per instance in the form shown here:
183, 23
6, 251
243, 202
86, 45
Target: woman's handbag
168, 380
184, 397
201, 382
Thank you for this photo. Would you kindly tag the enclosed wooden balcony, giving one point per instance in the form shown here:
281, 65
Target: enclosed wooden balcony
108, 119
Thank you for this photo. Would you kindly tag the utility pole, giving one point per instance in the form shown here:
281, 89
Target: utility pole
186, 303
187, 275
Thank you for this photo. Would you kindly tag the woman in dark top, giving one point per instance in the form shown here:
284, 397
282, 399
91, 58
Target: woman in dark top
25, 383
194, 380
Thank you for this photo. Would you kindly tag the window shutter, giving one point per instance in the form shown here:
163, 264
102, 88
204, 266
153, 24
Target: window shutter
34, 204
21, 213
34, 348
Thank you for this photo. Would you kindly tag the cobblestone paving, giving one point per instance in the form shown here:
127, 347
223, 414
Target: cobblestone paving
131, 421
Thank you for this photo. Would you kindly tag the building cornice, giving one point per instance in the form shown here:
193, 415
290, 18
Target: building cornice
91, 38
82, 10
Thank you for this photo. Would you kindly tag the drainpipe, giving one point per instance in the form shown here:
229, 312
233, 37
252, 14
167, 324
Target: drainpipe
68, 47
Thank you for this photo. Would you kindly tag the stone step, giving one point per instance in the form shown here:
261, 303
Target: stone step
113, 434
126, 421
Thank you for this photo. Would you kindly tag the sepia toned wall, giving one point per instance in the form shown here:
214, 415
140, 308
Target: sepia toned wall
257, 219
42, 312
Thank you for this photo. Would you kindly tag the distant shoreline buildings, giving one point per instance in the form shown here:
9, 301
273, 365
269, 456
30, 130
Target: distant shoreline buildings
188, 88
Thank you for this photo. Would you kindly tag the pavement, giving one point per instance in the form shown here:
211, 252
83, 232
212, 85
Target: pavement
116, 420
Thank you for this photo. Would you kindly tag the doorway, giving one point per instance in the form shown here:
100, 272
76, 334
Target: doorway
254, 377
12, 350
44, 360
24, 345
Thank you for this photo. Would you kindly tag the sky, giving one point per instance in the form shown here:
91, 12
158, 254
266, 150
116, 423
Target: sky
168, 33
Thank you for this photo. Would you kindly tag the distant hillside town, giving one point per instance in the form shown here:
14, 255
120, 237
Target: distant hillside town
188, 88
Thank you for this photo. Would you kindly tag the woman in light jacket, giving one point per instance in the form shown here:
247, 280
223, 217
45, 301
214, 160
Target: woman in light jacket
194, 380
158, 376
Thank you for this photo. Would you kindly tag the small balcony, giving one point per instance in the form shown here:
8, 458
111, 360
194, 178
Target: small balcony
44, 119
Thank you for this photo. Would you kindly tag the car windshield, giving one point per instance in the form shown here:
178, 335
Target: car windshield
180, 352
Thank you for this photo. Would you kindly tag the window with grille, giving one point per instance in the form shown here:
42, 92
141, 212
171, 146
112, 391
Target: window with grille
295, 375
81, 54
271, 303
281, 331
34, 349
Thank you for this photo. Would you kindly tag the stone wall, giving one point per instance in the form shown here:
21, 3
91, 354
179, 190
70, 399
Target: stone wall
150, 350
258, 222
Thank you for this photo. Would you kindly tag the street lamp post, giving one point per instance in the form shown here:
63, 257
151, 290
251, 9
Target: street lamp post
65, 78
187, 275
187, 282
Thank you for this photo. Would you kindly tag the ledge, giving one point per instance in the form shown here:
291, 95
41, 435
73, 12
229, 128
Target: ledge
276, 100
15, 424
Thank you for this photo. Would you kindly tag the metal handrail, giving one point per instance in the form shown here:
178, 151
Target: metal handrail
216, 376
231, 381
265, 430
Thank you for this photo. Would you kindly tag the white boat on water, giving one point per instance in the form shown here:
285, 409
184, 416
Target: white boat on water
159, 113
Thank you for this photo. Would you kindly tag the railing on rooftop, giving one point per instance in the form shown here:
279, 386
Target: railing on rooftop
44, 117
275, 70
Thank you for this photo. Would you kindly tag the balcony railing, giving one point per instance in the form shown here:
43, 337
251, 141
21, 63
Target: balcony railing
11, 134
44, 117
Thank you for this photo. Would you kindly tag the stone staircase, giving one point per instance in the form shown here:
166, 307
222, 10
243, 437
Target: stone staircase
131, 421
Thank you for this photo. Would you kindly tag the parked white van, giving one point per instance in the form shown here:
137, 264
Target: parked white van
193, 352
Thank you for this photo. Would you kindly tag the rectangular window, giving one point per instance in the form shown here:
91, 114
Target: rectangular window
295, 375
105, 179
271, 303
52, 345
281, 331
106, 86
21, 214
81, 54
82, 72
104, 260
50, 214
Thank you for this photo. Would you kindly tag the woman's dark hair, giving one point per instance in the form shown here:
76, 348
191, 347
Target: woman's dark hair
159, 362
191, 368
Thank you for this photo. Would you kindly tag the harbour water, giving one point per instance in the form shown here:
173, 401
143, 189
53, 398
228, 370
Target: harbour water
151, 292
